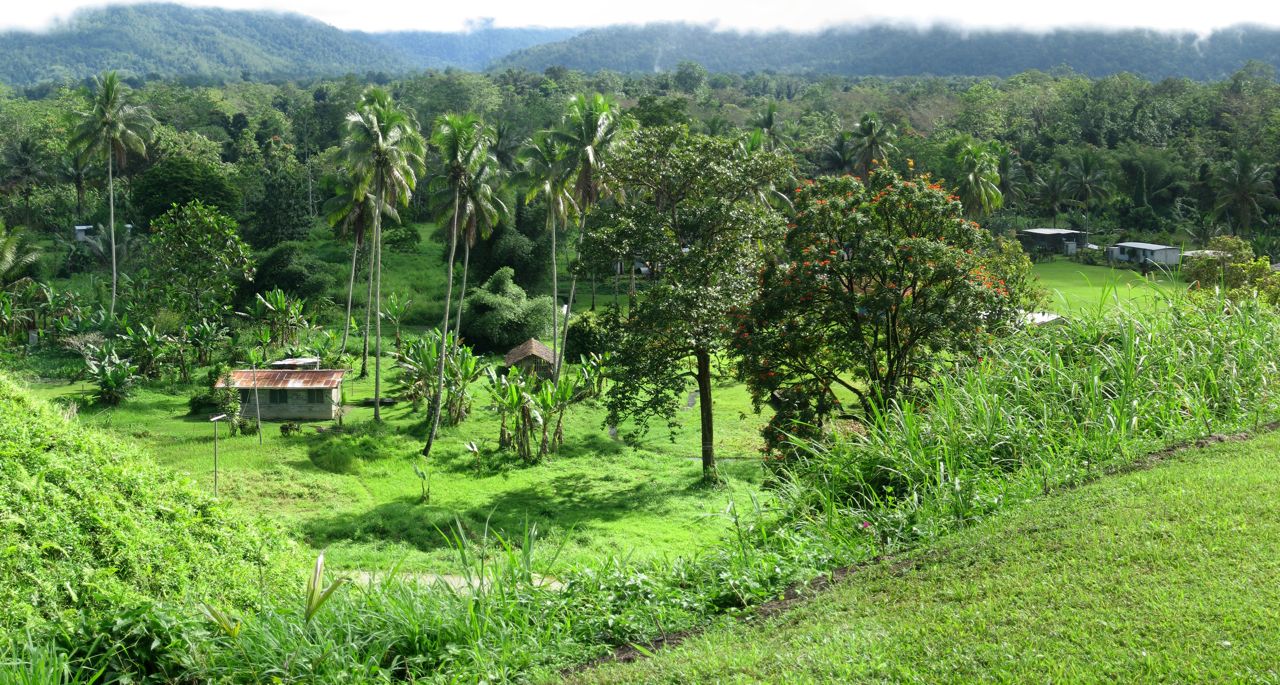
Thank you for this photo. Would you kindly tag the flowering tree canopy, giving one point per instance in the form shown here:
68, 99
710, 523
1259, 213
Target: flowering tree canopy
877, 281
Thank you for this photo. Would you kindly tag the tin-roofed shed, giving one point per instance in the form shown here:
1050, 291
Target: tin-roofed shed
289, 395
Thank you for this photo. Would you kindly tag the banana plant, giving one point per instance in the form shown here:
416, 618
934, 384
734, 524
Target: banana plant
394, 311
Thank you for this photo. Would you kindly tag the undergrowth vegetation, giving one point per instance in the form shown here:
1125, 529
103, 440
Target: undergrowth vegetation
1046, 409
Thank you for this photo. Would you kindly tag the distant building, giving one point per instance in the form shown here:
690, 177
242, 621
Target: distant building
83, 233
1052, 240
312, 363
289, 395
1145, 253
532, 355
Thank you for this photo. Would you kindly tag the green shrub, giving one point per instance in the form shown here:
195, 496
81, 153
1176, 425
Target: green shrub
591, 332
347, 450
499, 315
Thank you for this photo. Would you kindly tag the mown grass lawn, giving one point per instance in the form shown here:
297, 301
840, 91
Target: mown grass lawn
1072, 286
598, 496
1166, 575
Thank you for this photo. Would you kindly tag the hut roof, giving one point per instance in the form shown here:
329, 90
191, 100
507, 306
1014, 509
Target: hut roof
293, 379
529, 348
1050, 231
1149, 247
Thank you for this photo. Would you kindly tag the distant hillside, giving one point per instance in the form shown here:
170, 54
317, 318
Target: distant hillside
474, 50
896, 51
170, 40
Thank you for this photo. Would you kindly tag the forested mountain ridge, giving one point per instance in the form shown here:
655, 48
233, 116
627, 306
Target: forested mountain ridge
882, 50
200, 44
475, 49
216, 45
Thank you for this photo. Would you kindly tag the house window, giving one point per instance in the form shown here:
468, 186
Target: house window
278, 397
315, 397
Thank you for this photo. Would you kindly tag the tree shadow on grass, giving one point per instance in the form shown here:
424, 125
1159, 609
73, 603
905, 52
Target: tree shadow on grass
565, 503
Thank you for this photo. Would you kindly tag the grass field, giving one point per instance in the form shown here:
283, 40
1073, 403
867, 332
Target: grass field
1072, 286
1165, 575
597, 496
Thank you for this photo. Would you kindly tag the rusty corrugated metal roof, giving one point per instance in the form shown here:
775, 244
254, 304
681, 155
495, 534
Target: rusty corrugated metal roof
293, 379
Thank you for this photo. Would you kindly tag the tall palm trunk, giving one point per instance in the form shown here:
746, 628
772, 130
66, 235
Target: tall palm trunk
555, 295
377, 299
437, 399
111, 221
462, 296
368, 312
573, 290
351, 287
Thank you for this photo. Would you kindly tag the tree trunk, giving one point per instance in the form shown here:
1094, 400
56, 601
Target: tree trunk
111, 221
555, 297
377, 301
444, 333
368, 312
351, 287
708, 426
462, 297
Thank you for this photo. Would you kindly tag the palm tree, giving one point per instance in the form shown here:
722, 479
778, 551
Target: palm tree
74, 168
589, 129
112, 128
1012, 173
873, 141
841, 155
462, 142
1052, 189
768, 124
353, 215
979, 180
546, 172
467, 189
1244, 190
384, 150
16, 254
24, 169
1087, 182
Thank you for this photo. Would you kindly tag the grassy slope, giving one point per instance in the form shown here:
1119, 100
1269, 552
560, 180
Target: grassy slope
1169, 574
1072, 286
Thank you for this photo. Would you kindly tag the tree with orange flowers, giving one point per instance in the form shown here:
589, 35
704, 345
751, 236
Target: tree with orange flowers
879, 285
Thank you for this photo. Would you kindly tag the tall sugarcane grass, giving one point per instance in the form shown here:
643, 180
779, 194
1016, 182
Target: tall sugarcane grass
1046, 409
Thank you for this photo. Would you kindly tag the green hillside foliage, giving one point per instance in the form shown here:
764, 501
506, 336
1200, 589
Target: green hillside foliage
87, 524
900, 51
198, 44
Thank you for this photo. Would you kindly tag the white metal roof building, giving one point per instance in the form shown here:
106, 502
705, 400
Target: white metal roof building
1145, 253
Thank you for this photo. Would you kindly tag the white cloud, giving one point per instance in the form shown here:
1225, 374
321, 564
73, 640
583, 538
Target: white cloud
381, 15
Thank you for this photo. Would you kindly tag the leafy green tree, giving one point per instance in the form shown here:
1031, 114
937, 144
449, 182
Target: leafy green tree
196, 234
178, 180
690, 77
1244, 190
878, 287
501, 315
283, 213
384, 150
112, 128
1051, 189
693, 203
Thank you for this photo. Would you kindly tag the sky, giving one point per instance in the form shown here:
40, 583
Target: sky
758, 15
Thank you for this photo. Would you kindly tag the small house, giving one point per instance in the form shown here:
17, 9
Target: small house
83, 233
288, 395
532, 356
1052, 240
1145, 253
